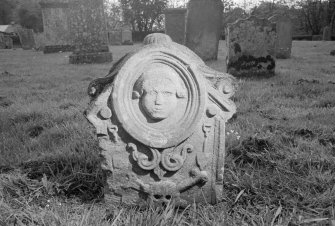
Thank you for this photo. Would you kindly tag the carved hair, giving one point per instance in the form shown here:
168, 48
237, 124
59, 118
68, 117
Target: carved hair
159, 72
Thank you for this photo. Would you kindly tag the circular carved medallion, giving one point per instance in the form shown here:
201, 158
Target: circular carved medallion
157, 97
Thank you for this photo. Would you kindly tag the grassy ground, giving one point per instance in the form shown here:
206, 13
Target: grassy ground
280, 163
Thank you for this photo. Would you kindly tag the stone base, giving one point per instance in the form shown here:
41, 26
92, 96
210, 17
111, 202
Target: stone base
91, 58
58, 48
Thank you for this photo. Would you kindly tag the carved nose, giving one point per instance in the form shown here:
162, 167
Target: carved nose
159, 99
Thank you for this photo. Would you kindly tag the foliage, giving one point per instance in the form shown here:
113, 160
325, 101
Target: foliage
113, 15
6, 11
29, 15
144, 15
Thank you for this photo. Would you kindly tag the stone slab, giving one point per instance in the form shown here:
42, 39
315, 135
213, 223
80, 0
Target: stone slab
284, 31
175, 24
26, 38
90, 58
203, 27
251, 47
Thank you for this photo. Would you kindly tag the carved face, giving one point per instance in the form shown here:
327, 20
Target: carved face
160, 88
159, 98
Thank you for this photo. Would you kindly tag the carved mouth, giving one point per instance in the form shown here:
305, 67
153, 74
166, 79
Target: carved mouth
99, 135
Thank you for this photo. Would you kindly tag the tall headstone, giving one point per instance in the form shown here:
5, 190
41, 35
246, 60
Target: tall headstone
89, 32
327, 35
126, 35
203, 27
26, 38
175, 24
56, 25
115, 37
251, 47
284, 31
160, 118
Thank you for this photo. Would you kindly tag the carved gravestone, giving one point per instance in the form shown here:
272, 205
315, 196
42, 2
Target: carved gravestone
203, 27
160, 119
251, 47
56, 26
89, 32
26, 38
284, 35
175, 24
327, 35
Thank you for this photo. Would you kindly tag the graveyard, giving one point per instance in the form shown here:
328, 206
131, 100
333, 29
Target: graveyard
279, 166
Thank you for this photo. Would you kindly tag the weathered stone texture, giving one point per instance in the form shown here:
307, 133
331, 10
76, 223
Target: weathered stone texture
26, 38
5, 42
175, 24
56, 22
88, 31
203, 27
251, 47
160, 119
284, 31
327, 35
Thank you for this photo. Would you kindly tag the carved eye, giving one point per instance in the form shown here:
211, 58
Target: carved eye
167, 93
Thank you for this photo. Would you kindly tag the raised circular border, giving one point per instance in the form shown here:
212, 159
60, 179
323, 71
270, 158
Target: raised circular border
122, 97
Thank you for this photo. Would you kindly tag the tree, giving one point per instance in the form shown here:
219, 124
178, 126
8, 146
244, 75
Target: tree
6, 11
143, 14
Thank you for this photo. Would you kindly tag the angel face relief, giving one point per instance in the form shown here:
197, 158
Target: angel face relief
159, 89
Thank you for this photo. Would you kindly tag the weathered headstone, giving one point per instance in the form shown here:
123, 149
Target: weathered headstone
5, 42
115, 37
126, 35
327, 35
251, 47
160, 119
26, 38
284, 35
89, 32
203, 27
56, 26
175, 24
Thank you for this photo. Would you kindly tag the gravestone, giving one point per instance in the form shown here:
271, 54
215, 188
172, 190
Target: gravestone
26, 38
115, 37
89, 32
284, 35
5, 42
126, 35
251, 47
160, 118
175, 24
327, 35
56, 26
203, 27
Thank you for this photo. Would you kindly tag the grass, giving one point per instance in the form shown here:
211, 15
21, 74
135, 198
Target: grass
280, 162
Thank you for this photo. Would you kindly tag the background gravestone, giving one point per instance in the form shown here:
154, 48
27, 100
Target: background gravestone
126, 35
327, 35
284, 35
89, 32
251, 47
26, 38
175, 24
203, 27
115, 37
56, 26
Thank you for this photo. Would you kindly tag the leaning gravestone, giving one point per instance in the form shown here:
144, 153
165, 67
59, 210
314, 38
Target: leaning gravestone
26, 38
203, 27
251, 47
89, 34
327, 35
56, 26
284, 35
175, 24
160, 118
126, 35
